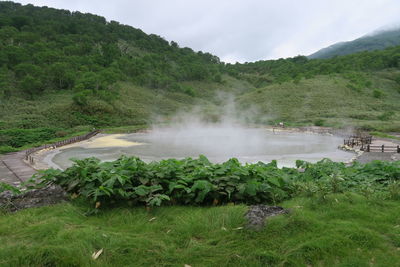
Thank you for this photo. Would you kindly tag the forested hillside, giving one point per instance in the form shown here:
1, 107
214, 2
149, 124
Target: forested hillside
375, 41
62, 72
46, 48
358, 90
62, 69
267, 72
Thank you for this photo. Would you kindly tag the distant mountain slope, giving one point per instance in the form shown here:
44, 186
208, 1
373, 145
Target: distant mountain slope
377, 41
43, 49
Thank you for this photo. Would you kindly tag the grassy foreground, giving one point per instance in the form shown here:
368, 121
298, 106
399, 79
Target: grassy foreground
338, 230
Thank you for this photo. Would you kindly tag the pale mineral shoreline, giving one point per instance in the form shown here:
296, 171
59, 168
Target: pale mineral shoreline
43, 158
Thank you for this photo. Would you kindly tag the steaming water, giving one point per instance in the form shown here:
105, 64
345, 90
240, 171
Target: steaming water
217, 143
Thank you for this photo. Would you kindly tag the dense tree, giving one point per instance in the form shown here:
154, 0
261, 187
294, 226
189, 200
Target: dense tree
62, 75
31, 85
65, 50
277, 71
5, 82
71, 50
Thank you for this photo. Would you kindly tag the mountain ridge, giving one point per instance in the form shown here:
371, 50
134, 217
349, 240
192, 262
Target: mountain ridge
376, 40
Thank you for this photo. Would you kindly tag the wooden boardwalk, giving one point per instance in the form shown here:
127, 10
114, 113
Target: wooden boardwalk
367, 144
14, 170
6, 176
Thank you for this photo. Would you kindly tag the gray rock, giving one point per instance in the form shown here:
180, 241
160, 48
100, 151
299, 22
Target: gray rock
257, 215
33, 198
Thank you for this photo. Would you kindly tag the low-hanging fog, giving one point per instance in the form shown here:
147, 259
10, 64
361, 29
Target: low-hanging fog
220, 138
228, 138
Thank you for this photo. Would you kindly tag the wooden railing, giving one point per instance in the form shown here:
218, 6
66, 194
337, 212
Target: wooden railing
72, 140
358, 141
382, 148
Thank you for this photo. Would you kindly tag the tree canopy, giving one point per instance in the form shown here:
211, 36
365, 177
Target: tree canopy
43, 48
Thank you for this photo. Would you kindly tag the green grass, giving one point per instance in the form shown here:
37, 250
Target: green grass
124, 129
384, 135
330, 99
134, 105
76, 131
339, 230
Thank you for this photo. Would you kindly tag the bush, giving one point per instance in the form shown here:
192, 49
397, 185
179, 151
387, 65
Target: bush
362, 116
397, 79
189, 90
80, 98
367, 127
61, 133
16, 138
387, 115
7, 149
377, 93
354, 87
218, 78
200, 182
319, 122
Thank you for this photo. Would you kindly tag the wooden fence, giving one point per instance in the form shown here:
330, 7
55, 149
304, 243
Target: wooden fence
358, 141
72, 140
382, 148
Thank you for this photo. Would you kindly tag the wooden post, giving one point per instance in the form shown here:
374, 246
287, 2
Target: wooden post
368, 148
383, 148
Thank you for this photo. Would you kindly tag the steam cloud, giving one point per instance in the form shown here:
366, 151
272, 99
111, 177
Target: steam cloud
232, 134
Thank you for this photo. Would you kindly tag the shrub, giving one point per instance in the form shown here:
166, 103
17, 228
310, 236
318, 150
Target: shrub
377, 93
354, 87
218, 78
397, 79
200, 182
19, 137
61, 133
387, 115
394, 190
7, 149
80, 98
367, 127
188, 90
319, 122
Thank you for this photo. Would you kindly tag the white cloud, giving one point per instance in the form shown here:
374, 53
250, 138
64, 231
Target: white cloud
245, 30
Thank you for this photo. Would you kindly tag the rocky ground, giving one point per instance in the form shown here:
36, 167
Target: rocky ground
370, 156
35, 198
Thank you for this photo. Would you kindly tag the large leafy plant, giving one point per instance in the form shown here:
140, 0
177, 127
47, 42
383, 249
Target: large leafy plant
200, 182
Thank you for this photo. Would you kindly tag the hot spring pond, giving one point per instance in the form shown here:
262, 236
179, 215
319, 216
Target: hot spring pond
218, 144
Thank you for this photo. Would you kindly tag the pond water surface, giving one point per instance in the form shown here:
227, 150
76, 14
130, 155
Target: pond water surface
249, 145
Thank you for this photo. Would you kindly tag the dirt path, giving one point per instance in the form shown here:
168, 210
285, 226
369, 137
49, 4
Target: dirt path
370, 156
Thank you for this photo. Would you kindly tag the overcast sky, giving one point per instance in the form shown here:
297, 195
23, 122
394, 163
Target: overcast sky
245, 30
